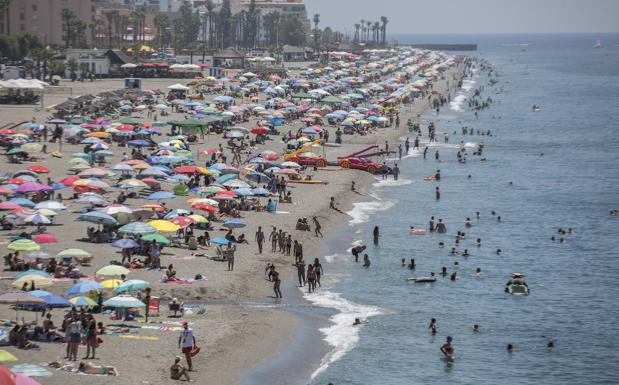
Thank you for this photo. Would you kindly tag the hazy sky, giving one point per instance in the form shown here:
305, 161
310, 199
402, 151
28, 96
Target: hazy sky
472, 16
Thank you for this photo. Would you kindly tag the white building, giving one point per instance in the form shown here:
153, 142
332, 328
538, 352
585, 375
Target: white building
95, 60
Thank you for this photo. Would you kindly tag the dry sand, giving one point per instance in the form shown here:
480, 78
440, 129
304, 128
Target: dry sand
233, 336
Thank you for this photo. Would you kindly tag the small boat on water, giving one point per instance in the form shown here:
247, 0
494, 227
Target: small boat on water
517, 285
598, 44
422, 279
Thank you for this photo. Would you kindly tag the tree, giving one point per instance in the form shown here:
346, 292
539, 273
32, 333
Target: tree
162, 23
42, 57
368, 26
376, 29
72, 66
316, 20
357, 27
68, 18
111, 18
95, 31
384, 21
225, 23
210, 7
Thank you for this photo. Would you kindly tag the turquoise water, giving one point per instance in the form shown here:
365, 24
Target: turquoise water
574, 286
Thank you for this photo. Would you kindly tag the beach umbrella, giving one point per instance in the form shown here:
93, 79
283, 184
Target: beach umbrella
132, 285
137, 228
84, 287
30, 187
44, 238
98, 218
50, 205
22, 202
116, 209
96, 172
125, 243
197, 218
257, 177
92, 200
122, 167
235, 183
132, 183
82, 301
159, 195
54, 301
164, 226
183, 222
20, 298
38, 169
204, 207
113, 270
219, 241
6, 357
158, 238
111, 283
38, 254
32, 147
9, 206
23, 245
32, 272
124, 301
234, 224
260, 191
39, 281
21, 379
73, 253
153, 171
37, 219
139, 143
176, 212
6, 376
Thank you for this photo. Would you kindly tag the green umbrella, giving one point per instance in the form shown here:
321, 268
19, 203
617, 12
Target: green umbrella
157, 238
128, 121
73, 253
23, 245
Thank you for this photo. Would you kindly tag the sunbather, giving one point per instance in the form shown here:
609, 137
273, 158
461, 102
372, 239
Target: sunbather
90, 368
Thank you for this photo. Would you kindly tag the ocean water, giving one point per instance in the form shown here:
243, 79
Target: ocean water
557, 168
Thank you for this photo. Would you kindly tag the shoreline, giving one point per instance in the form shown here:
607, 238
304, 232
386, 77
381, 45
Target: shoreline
301, 336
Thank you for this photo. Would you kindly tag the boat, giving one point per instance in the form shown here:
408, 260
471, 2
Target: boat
598, 44
516, 285
422, 279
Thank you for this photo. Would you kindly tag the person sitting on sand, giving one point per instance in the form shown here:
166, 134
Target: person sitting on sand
177, 371
90, 368
171, 273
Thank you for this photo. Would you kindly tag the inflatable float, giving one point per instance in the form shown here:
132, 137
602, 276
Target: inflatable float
431, 178
418, 232
422, 279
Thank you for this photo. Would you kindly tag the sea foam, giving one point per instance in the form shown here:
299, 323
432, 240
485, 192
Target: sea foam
361, 211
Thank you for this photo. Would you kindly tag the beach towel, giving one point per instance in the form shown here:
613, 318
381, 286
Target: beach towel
180, 282
148, 338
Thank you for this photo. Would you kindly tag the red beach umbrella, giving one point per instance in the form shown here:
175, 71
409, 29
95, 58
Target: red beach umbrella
204, 207
182, 221
186, 170
44, 238
6, 376
259, 130
39, 169
69, 181
15, 181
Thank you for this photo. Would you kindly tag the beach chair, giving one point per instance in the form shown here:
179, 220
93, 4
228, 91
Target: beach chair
174, 307
153, 306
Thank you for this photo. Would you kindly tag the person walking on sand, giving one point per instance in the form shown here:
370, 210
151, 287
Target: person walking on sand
187, 343
273, 238
259, 239
317, 227
300, 264
276, 282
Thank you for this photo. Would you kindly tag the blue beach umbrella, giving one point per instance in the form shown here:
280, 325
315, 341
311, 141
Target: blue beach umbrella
260, 191
84, 287
137, 228
97, 217
234, 224
22, 202
124, 301
32, 272
132, 285
159, 195
219, 241
125, 243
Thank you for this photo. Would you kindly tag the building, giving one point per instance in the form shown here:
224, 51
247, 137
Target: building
89, 61
283, 7
43, 18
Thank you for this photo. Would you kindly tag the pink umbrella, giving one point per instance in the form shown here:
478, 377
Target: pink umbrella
20, 379
44, 238
9, 206
30, 187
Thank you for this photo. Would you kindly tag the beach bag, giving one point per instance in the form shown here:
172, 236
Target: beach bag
194, 351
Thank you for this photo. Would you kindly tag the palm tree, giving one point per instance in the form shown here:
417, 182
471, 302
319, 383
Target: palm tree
316, 20
67, 18
368, 25
357, 26
94, 27
376, 29
111, 20
161, 23
124, 25
384, 21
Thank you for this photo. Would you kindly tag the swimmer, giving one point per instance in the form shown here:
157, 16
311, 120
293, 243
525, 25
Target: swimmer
403, 262
366, 261
477, 214
476, 328
444, 272
441, 245
468, 223
478, 242
498, 218
433, 326
357, 322
550, 346
478, 272
456, 264
498, 251
493, 212
510, 348
466, 253
412, 265
453, 251
447, 349
454, 277
553, 238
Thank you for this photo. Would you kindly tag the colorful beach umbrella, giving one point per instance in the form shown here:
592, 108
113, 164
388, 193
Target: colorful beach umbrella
23, 245
113, 270
124, 301
84, 287
132, 285
82, 301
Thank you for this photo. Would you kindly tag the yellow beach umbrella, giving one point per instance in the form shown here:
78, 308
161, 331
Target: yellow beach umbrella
47, 212
82, 301
32, 147
141, 166
39, 281
198, 218
111, 283
23, 245
6, 356
164, 226
113, 270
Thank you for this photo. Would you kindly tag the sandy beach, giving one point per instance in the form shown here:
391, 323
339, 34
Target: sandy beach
244, 325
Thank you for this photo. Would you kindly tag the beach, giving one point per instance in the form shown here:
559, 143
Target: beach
244, 326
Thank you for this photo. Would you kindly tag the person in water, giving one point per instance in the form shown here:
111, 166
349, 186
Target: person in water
447, 349
376, 234
412, 265
356, 250
433, 326
478, 272
476, 328
366, 261
431, 225
440, 227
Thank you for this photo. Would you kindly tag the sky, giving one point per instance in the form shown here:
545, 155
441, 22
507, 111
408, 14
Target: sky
472, 16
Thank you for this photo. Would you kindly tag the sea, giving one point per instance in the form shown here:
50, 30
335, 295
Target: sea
542, 171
